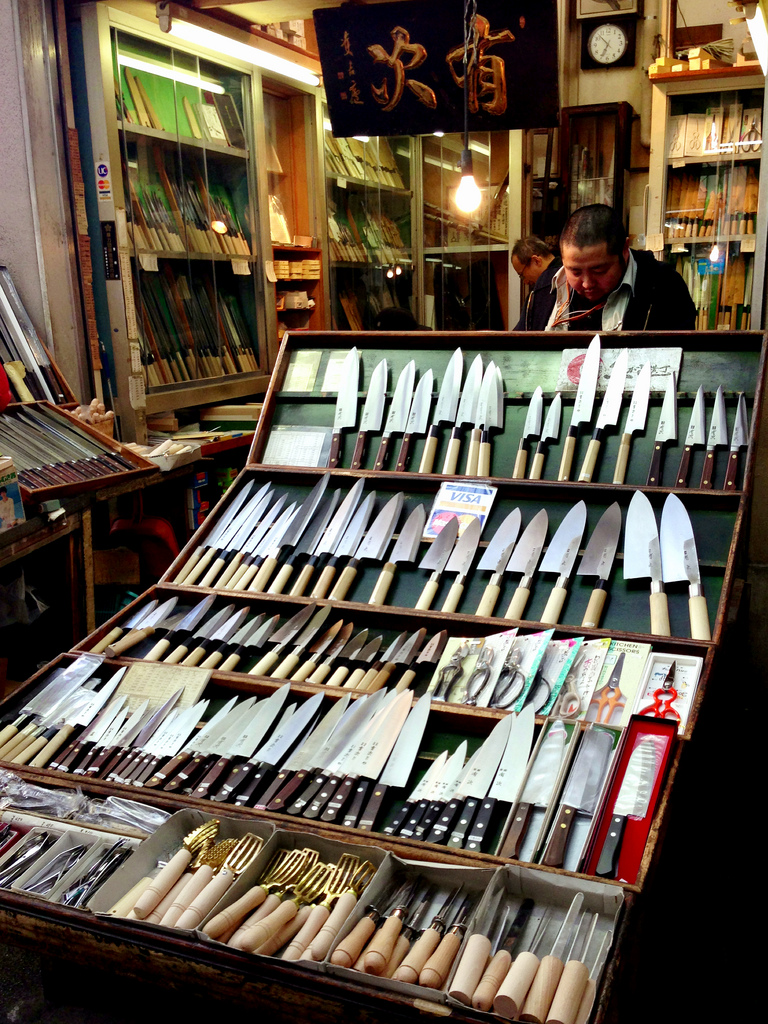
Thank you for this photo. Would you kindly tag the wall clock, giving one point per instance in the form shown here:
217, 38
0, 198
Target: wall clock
608, 44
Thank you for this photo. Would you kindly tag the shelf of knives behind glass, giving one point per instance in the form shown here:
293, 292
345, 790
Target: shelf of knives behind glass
541, 555
604, 411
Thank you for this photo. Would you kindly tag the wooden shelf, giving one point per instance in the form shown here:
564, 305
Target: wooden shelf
716, 74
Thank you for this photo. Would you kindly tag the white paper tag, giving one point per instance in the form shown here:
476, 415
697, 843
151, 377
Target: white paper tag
655, 242
148, 262
241, 268
137, 396
135, 350
341, 182
748, 245
302, 371
334, 371
678, 163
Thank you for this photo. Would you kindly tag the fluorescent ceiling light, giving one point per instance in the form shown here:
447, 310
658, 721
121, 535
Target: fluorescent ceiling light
758, 32
241, 51
165, 72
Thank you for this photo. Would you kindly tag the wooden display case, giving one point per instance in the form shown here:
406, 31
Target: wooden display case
526, 362
595, 155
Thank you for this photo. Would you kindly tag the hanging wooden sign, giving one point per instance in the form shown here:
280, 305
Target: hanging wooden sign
398, 68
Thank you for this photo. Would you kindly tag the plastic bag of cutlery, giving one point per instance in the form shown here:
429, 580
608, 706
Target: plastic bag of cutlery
24, 795
177, 875
409, 927
292, 901
536, 947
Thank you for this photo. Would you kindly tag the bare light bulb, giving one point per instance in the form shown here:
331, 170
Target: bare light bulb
468, 195
714, 255
219, 227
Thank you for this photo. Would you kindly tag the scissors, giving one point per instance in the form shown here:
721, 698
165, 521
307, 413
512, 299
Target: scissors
609, 696
664, 698
511, 681
568, 703
538, 695
752, 139
480, 676
451, 672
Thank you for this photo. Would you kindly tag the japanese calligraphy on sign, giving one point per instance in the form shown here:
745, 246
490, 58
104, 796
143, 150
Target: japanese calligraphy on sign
396, 69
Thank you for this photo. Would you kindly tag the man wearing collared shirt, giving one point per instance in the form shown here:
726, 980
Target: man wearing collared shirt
603, 285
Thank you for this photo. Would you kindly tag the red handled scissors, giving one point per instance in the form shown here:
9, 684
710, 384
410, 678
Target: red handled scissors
664, 698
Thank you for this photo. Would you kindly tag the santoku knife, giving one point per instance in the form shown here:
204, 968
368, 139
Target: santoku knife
560, 557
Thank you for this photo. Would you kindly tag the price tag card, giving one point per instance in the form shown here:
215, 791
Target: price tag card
298, 446
747, 245
157, 683
148, 262
241, 268
334, 371
302, 371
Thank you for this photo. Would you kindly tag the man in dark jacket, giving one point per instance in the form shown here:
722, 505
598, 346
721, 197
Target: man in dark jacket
535, 263
603, 285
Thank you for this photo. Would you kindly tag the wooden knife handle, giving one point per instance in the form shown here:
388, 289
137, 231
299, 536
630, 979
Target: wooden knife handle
684, 467
517, 605
324, 581
305, 936
188, 894
130, 639
213, 572
199, 568
381, 454
566, 460
381, 678
699, 616
542, 990
286, 667
382, 946
345, 904
351, 946
587, 1002
405, 680
430, 450
357, 455
231, 916
264, 664
354, 679
399, 953
259, 583
435, 971
234, 564
514, 988
554, 855
189, 565
242, 579
338, 677
213, 660
162, 883
513, 840
590, 461
229, 664
451, 602
26, 753
302, 580
569, 993
195, 656
471, 967
281, 580
61, 737
491, 981
427, 595
383, 584
731, 472
321, 672
158, 650
344, 582
103, 644
537, 463
422, 949
304, 671
488, 600
333, 458
708, 470
484, 456
622, 459
452, 454
240, 568
474, 452
551, 614
594, 611
402, 455
660, 614
7, 734
521, 460
176, 656
654, 470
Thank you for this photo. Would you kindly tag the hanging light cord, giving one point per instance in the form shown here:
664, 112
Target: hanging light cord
470, 14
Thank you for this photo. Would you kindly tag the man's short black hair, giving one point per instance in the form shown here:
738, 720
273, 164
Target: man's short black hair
525, 249
592, 225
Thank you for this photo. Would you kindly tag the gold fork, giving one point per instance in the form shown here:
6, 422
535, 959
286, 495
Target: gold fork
240, 857
346, 894
305, 889
203, 866
200, 838
290, 867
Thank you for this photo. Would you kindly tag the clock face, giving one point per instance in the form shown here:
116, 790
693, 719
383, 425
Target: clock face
607, 44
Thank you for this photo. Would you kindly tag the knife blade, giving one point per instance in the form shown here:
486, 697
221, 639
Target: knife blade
431, 806
460, 563
495, 558
582, 406
633, 799
225, 629
224, 520
398, 411
445, 410
739, 439
642, 558
538, 789
360, 678
203, 632
608, 415
494, 420
718, 436
466, 414
435, 559
581, 792
560, 557
242, 563
597, 560
482, 414
346, 547
307, 543
697, 432
327, 543
531, 429
680, 561
524, 559
373, 411
551, 432
429, 656
372, 546
405, 550
402, 654
157, 617
300, 644
665, 432
638, 413
92, 737
282, 638
345, 416
330, 643
117, 631
347, 656
417, 418
233, 543
436, 829
250, 638
420, 792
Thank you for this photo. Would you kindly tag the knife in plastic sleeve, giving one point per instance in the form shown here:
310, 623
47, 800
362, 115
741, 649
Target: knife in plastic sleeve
345, 415
633, 800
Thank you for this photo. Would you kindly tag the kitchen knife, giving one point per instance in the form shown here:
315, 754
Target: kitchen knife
718, 436
345, 547
492, 420
253, 520
482, 415
538, 788
433, 799
349, 654
250, 638
217, 551
524, 559
633, 800
739, 439
551, 432
345, 416
289, 664
420, 792
116, 632
307, 543
531, 429
241, 561
226, 629
360, 678
329, 644
695, 436
638, 413
71, 757
445, 410
372, 546
460, 563
581, 792
379, 676
642, 558
666, 431
405, 549
330, 538
398, 411
429, 656
345, 647
679, 561
225, 518
560, 557
157, 617
373, 411
608, 415
466, 414
416, 423
597, 561
582, 406
495, 558
282, 638
203, 632
435, 560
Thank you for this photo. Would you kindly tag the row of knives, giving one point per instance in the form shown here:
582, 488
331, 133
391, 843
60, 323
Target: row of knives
479, 407
259, 545
332, 766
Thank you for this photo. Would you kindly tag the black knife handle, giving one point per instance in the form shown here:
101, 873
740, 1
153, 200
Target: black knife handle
608, 864
341, 797
353, 811
444, 823
430, 815
479, 830
462, 827
367, 819
327, 792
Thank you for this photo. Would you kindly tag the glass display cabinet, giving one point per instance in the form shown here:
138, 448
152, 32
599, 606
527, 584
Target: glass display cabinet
595, 155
